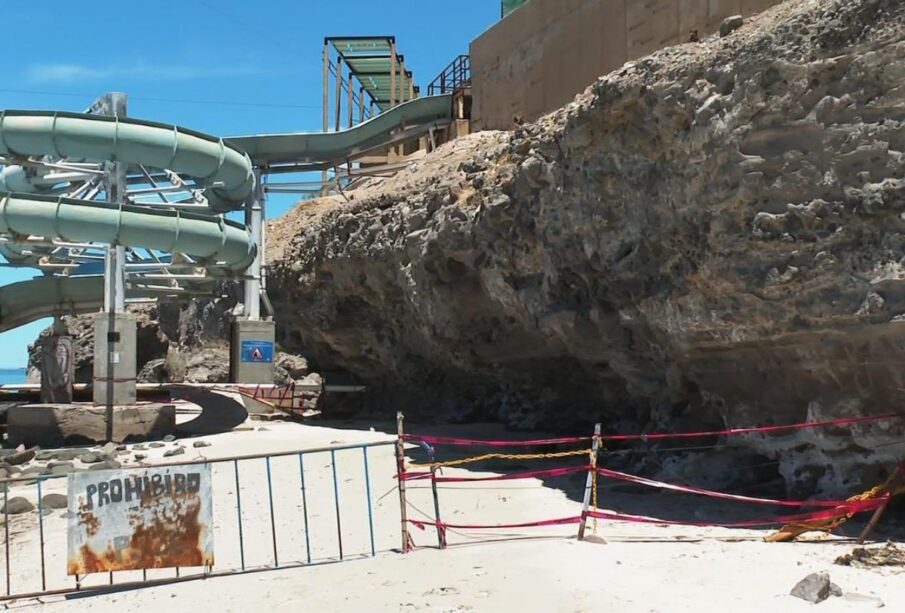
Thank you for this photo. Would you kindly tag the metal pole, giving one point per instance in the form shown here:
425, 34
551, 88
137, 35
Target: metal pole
239, 512
6, 530
392, 73
339, 529
350, 110
592, 475
400, 83
364, 451
115, 104
361, 104
41, 534
254, 218
441, 532
400, 470
338, 103
273, 524
326, 99
305, 505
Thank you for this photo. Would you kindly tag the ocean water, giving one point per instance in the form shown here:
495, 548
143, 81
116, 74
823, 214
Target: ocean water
12, 375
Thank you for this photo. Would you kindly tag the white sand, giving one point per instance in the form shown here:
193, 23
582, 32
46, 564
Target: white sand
641, 568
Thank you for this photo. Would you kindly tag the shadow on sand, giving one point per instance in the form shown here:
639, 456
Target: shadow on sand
219, 412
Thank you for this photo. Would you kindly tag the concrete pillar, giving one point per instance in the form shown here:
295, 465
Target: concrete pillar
114, 358
252, 351
57, 366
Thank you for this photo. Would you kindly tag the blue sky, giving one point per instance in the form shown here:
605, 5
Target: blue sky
225, 67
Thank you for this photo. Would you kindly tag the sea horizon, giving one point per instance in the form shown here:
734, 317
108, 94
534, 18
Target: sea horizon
13, 375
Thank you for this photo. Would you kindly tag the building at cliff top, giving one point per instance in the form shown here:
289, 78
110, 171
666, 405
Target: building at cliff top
544, 52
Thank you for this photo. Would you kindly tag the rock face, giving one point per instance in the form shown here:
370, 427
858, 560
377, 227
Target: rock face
711, 236
177, 342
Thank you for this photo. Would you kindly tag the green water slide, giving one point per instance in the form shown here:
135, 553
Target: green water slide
402, 122
225, 167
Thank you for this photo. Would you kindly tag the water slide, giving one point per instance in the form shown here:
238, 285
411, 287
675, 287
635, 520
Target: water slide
31, 208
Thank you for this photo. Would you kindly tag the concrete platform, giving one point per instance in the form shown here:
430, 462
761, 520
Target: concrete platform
54, 425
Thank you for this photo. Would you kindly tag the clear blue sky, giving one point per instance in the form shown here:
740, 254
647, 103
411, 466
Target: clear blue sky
256, 66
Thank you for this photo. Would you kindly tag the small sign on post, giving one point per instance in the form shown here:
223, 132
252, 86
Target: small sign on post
131, 519
257, 351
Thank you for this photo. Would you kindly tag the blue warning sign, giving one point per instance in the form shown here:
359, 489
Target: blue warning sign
257, 351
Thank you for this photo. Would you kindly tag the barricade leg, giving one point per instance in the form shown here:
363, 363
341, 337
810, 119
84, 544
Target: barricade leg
400, 469
590, 483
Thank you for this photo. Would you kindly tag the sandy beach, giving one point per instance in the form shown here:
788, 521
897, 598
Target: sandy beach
626, 567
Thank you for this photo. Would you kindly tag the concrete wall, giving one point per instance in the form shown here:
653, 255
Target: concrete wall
546, 52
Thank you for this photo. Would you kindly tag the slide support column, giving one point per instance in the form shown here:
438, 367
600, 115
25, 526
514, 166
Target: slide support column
115, 329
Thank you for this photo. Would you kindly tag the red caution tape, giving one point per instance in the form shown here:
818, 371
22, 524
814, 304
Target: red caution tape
845, 509
655, 436
530, 474
689, 489
532, 524
442, 440
844, 421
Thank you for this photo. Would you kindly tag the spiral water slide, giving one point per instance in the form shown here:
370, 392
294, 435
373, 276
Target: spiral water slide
36, 222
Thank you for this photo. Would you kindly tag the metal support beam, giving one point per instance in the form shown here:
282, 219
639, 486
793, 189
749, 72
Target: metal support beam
392, 74
351, 104
326, 100
361, 105
254, 219
114, 104
338, 103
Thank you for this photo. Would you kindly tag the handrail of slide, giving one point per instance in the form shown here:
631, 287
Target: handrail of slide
309, 147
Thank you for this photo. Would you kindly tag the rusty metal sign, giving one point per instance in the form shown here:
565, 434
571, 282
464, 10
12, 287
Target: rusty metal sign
129, 519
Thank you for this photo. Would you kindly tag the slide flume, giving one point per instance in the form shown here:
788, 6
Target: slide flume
226, 165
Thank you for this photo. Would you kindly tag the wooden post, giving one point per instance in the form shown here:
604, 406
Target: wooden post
894, 484
592, 475
400, 469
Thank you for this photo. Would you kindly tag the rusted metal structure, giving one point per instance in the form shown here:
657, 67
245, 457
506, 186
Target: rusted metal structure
136, 519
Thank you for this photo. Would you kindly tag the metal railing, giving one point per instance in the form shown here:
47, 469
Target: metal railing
455, 77
298, 502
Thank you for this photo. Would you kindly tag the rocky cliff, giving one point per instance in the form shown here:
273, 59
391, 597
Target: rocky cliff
711, 236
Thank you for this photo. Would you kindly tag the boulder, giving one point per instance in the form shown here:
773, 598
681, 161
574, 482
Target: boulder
61, 468
59, 424
21, 457
815, 588
90, 457
16, 506
54, 501
105, 465
730, 25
